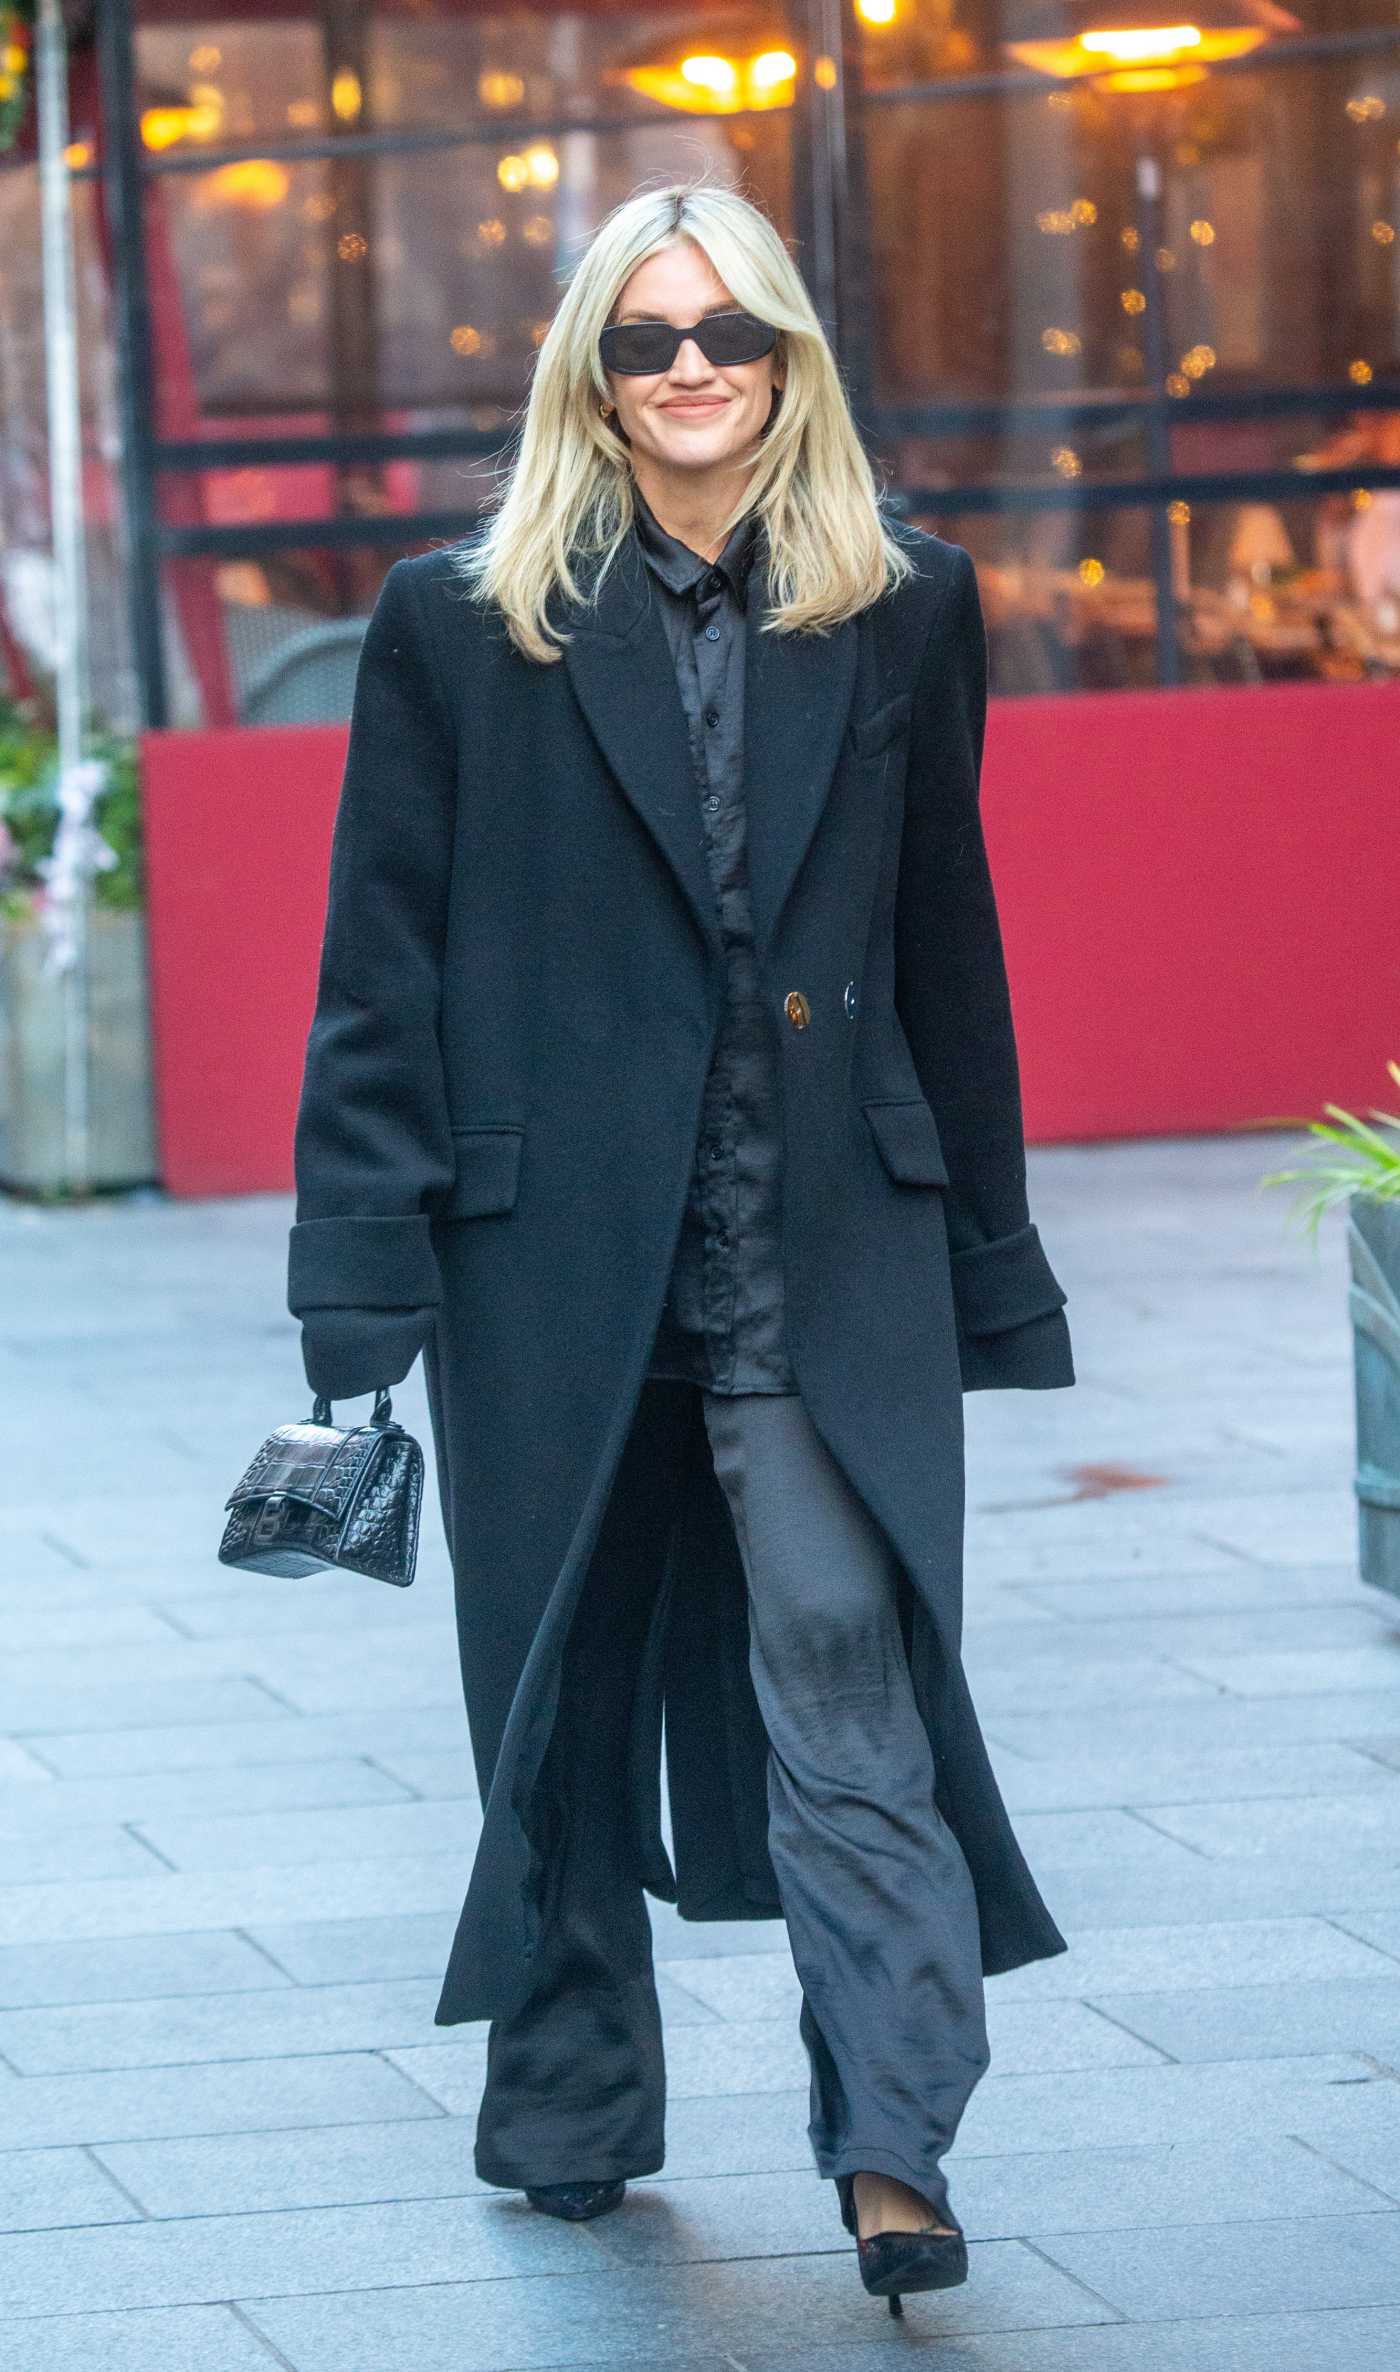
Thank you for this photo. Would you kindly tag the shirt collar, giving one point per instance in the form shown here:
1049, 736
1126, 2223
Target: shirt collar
680, 568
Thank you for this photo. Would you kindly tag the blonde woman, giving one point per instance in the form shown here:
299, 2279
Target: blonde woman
663, 1090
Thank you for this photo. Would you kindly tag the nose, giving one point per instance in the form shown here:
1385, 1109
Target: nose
690, 365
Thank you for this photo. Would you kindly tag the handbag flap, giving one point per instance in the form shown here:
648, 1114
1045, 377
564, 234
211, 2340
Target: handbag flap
319, 1464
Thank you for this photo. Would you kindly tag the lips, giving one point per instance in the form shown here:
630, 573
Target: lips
701, 404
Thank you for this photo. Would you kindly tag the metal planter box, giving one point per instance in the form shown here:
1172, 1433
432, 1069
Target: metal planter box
1373, 1240
33, 1155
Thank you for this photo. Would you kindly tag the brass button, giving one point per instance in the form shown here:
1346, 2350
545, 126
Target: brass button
797, 1009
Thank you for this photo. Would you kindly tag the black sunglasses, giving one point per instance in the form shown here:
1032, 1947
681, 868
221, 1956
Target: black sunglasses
638, 349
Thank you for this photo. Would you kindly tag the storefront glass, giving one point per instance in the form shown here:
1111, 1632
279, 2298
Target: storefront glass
1129, 333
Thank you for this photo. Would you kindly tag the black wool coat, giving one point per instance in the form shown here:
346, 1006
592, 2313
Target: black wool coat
520, 986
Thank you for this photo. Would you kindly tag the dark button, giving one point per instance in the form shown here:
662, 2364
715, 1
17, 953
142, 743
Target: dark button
716, 1152
712, 634
797, 1009
712, 801
849, 1000
714, 581
712, 716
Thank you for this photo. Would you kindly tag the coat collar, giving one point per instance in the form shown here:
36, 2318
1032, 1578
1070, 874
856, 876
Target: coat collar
797, 697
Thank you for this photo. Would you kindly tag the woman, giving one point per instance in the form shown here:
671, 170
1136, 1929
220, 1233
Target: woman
662, 1088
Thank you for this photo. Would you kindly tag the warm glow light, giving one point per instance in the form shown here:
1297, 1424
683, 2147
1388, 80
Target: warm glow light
711, 74
542, 165
346, 96
1091, 572
76, 155
499, 90
1360, 373
1152, 57
1148, 47
255, 181
163, 127
875, 12
513, 173
706, 84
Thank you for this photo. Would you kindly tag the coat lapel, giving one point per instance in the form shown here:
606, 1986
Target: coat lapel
620, 665
797, 698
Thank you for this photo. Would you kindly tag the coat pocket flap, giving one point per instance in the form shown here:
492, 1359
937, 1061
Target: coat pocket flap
870, 732
488, 1171
907, 1135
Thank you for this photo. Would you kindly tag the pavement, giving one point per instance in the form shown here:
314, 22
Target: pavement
237, 1817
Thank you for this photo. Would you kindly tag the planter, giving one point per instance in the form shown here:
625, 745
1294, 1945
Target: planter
1373, 1240
33, 1156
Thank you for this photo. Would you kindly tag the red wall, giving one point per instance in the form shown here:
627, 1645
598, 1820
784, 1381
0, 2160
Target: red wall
1199, 891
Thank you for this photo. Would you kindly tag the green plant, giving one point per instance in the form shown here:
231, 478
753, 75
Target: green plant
1361, 1161
29, 811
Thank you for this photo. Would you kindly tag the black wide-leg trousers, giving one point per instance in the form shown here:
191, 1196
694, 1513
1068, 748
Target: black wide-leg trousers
876, 1895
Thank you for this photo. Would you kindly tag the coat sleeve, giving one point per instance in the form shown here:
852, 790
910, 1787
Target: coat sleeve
373, 1139
954, 1004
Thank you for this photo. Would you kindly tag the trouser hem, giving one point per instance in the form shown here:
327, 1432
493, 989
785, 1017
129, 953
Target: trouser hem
842, 2166
582, 2168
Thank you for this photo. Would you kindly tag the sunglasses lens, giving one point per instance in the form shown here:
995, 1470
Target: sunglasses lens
638, 347
735, 337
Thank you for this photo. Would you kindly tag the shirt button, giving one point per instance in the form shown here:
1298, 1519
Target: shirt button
712, 716
712, 802
849, 1000
797, 1009
714, 582
712, 634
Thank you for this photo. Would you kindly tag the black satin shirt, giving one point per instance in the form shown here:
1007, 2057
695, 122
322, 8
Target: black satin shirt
722, 1323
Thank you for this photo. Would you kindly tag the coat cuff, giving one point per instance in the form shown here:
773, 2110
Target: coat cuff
362, 1264
1036, 1357
347, 1352
1004, 1283
1009, 1305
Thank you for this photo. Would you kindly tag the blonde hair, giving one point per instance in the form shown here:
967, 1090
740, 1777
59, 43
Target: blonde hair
568, 491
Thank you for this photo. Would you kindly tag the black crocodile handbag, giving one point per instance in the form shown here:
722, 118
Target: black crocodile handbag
319, 1494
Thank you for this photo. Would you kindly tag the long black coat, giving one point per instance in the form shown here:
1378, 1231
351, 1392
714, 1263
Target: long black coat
520, 986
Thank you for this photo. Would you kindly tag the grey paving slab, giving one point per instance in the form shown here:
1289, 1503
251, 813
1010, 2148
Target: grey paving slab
630, 2315
33, 1714
235, 2096
342, 1951
1267, 2021
1226, 2268
204, 2259
41, 2189
17, 1768
1340, 2341
236, 1745
1324, 1823
282, 2021
1167, 1776
132, 1968
65, 1804
74, 1911
1231, 1588
1183, 1958
1225, 1722
29, 1857
1301, 1671
265, 1840
213, 2338
1379, 1929
1117, 2107
312, 2166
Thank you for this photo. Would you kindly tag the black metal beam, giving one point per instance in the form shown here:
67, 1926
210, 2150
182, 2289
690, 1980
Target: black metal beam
136, 401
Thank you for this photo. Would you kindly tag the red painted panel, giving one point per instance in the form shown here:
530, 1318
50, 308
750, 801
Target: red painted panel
1200, 894
238, 827
1199, 891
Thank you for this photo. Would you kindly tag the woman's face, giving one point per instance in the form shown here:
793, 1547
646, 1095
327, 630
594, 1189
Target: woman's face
699, 415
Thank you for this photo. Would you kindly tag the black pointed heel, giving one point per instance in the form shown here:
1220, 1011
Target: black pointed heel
895, 2263
577, 2203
